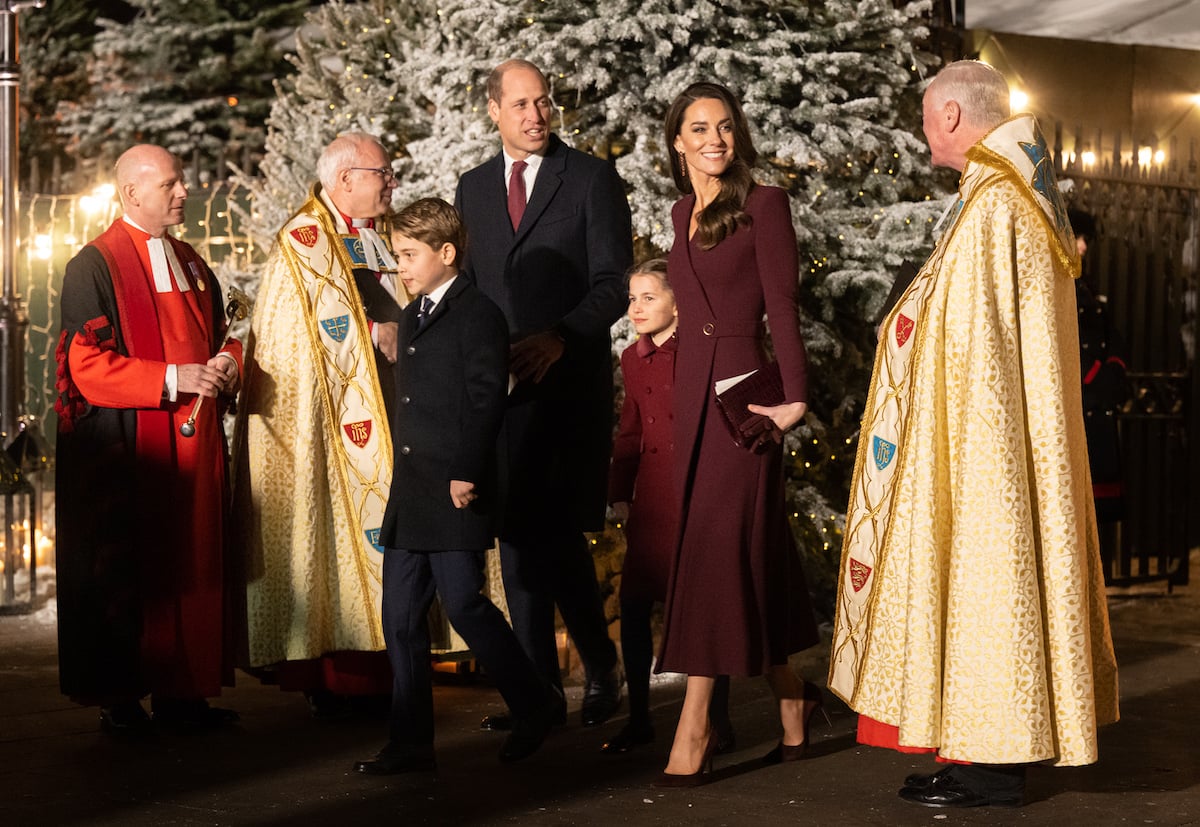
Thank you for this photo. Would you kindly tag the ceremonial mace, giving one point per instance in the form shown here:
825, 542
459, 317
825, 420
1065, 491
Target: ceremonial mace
237, 309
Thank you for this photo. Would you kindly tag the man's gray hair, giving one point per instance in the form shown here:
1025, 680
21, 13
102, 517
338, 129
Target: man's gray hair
341, 154
980, 91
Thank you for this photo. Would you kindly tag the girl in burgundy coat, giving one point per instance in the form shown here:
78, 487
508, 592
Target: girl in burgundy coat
639, 489
737, 603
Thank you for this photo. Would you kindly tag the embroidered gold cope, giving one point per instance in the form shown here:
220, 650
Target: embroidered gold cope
318, 449
971, 611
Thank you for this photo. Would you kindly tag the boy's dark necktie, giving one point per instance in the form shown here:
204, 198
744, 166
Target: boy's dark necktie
423, 313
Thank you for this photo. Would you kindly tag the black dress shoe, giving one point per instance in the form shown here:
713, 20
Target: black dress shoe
500, 722
503, 722
630, 736
946, 790
601, 697
124, 718
395, 759
924, 780
529, 732
191, 714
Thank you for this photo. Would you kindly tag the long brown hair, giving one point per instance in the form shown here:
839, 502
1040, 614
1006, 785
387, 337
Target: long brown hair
726, 212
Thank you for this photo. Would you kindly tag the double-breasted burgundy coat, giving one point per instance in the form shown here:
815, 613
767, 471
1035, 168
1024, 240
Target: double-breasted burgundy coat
642, 468
737, 602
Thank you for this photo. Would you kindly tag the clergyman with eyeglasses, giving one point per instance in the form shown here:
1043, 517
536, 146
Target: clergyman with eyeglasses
316, 462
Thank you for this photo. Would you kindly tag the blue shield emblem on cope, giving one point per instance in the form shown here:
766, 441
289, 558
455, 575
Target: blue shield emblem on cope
336, 327
354, 247
884, 451
373, 539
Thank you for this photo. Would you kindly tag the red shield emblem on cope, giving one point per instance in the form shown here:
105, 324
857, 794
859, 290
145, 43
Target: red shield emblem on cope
358, 432
904, 329
858, 574
305, 235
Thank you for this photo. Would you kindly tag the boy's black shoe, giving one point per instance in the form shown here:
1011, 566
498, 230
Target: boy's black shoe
395, 759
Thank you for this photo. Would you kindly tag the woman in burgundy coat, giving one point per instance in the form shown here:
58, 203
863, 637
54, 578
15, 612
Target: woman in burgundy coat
737, 603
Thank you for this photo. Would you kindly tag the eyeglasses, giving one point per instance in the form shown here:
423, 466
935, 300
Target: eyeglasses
384, 172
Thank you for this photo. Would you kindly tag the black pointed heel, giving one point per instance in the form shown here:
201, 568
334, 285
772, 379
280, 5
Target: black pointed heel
693, 779
782, 752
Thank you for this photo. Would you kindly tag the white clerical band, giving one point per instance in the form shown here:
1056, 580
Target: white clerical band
374, 250
163, 265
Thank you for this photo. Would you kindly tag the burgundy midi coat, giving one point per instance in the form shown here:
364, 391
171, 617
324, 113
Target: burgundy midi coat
737, 602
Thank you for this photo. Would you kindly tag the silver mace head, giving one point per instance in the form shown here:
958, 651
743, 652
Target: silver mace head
188, 428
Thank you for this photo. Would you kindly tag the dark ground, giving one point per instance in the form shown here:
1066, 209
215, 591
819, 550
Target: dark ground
279, 766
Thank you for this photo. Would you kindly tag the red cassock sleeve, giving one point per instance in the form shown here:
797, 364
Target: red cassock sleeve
110, 380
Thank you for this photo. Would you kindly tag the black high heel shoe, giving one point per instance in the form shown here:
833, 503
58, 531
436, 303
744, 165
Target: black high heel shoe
692, 779
786, 752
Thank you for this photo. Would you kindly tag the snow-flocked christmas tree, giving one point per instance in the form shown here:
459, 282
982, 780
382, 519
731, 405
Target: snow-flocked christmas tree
831, 90
55, 43
187, 74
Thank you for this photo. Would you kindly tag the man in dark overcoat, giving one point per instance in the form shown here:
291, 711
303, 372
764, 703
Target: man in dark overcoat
550, 243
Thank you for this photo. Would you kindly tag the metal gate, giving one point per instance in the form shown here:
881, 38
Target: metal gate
1145, 261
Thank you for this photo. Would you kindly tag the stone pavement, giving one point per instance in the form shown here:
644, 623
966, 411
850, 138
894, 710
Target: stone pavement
279, 766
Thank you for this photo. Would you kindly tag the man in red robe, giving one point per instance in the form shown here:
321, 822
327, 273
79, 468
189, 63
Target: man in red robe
140, 508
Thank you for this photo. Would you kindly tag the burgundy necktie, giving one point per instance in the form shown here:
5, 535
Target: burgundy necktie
516, 193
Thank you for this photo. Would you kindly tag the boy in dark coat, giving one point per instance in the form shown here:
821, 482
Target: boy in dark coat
451, 384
